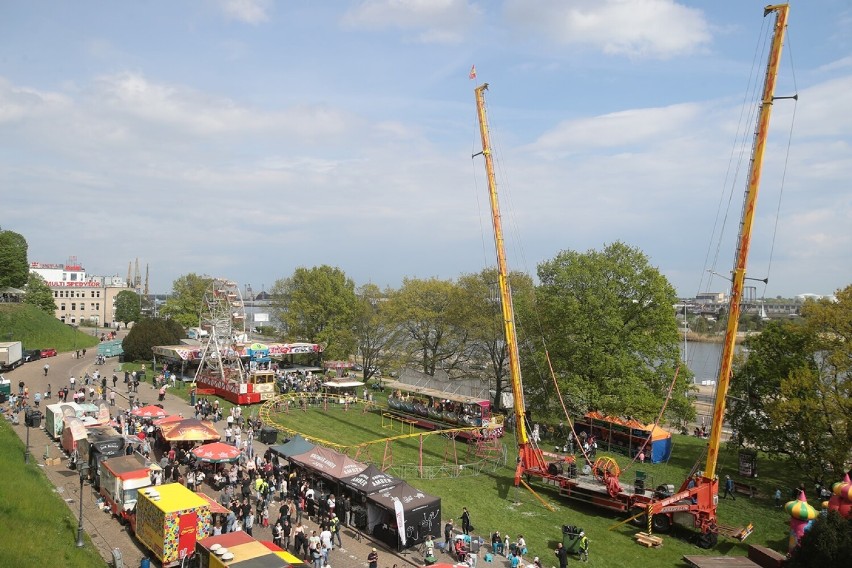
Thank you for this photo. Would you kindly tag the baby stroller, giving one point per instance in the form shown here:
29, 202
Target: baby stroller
574, 540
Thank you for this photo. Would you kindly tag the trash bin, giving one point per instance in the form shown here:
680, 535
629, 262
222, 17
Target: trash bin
571, 538
33, 418
146, 563
268, 435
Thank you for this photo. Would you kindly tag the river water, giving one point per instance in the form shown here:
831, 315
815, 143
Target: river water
703, 359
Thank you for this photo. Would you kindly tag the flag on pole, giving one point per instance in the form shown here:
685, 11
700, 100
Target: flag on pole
472, 72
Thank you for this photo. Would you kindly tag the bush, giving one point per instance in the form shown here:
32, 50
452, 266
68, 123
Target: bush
828, 544
147, 333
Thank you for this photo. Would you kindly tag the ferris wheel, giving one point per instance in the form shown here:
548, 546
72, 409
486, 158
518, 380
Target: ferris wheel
223, 316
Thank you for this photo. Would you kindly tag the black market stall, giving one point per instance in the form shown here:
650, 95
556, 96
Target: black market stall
403, 516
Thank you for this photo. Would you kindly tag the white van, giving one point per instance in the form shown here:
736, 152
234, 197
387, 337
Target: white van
196, 333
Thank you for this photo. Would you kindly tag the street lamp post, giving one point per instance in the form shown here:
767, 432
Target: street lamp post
82, 469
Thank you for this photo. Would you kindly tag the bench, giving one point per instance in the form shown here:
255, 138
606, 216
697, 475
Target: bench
745, 489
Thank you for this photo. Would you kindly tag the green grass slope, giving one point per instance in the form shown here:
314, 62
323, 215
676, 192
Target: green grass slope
38, 330
38, 528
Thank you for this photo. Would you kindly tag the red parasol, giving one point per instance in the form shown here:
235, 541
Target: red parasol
149, 411
216, 452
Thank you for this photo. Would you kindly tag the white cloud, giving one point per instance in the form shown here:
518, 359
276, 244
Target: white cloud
636, 28
842, 63
618, 130
433, 21
248, 11
20, 103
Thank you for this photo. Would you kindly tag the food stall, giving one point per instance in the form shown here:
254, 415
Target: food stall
121, 478
237, 549
169, 520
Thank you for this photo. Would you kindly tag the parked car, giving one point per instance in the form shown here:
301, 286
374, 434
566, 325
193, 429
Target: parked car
48, 352
32, 355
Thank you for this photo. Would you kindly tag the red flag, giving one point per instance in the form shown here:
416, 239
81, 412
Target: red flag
472, 72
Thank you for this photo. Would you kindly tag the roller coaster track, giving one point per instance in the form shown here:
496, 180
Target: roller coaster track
491, 457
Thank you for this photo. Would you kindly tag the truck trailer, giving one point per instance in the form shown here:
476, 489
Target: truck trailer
11, 355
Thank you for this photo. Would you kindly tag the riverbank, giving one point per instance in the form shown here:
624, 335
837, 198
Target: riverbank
717, 337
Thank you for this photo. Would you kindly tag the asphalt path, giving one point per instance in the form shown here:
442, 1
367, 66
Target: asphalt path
104, 531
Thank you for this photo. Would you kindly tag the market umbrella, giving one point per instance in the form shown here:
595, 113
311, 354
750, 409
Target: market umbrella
216, 452
149, 411
190, 430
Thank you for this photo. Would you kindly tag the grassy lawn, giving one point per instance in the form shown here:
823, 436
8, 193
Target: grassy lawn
38, 528
495, 503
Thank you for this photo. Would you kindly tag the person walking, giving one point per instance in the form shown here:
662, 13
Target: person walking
729, 488
373, 559
465, 519
46, 369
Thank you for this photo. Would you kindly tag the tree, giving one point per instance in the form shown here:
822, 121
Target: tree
186, 301
147, 333
127, 307
792, 395
430, 314
612, 335
827, 544
14, 268
481, 298
377, 335
317, 305
39, 294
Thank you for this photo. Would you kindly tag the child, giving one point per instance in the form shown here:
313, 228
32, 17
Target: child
264, 516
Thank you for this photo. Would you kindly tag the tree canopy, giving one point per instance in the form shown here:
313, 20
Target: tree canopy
484, 318
430, 314
39, 294
317, 305
147, 333
377, 336
14, 268
792, 395
127, 307
186, 301
612, 335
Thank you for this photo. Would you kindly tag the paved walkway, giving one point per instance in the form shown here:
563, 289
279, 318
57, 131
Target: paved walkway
104, 531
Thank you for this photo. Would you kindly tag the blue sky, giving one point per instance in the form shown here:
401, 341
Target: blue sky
245, 138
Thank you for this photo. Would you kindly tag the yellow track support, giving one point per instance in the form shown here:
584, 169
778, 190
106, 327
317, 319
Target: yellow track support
537, 496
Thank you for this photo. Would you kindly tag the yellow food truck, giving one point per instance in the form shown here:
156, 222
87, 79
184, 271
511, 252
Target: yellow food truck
169, 520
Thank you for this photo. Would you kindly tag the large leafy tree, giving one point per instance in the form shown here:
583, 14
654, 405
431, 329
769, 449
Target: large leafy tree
127, 307
185, 303
378, 336
484, 319
14, 269
318, 305
431, 314
39, 294
612, 335
145, 334
792, 395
